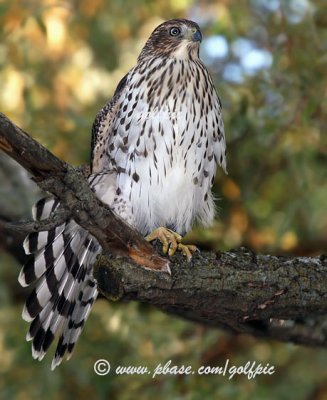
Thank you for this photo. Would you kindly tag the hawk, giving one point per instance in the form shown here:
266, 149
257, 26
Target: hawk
155, 149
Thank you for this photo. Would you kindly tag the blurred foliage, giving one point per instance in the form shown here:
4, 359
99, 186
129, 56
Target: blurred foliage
59, 63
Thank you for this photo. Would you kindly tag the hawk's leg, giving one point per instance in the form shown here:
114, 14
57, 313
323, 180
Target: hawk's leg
171, 241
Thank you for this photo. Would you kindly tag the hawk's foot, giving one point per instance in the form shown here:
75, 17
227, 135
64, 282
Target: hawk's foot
171, 241
187, 250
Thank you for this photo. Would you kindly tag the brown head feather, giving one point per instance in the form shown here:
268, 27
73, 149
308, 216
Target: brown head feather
163, 43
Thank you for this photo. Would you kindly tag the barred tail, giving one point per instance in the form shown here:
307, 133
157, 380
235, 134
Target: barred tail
61, 265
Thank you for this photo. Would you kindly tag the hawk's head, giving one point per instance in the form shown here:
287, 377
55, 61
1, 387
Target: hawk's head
177, 38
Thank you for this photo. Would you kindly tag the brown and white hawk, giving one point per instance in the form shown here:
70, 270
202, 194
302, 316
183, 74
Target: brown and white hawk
155, 148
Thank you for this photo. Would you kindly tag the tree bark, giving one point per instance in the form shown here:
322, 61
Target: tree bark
284, 298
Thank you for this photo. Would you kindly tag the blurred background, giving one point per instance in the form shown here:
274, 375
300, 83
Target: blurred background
59, 63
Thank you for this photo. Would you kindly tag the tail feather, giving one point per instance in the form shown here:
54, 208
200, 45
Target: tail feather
61, 264
50, 318
73, 327
49, 248
49, 282
43, 208
66, 301
37, 240
38, 321
58, 302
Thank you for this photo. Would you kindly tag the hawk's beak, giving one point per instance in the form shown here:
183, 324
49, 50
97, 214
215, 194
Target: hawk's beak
197, 36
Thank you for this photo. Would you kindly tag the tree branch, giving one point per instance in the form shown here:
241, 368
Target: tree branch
281, 298
278, 297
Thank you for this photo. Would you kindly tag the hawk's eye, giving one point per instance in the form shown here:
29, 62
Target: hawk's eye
175, 31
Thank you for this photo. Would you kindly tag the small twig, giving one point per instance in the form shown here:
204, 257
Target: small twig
24, 227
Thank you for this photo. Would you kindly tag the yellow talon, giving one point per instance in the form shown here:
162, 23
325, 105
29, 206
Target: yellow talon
167, 237
187, 250
171, 242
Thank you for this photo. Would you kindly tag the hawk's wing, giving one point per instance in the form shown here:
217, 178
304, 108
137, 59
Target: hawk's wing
102, 127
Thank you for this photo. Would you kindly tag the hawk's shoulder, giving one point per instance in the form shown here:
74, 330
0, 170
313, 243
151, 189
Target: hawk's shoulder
102, 126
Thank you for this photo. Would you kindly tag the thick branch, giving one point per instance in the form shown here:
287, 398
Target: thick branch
69, 185
245, 293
